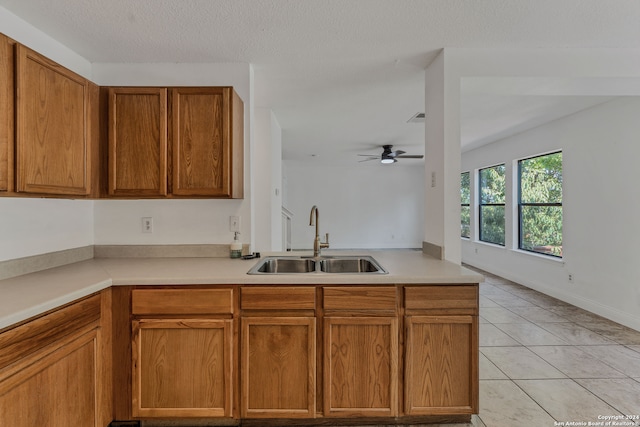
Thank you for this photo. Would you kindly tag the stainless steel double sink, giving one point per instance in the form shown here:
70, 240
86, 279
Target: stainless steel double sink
324, 264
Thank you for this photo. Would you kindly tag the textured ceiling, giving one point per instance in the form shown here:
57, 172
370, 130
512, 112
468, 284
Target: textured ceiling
342, 76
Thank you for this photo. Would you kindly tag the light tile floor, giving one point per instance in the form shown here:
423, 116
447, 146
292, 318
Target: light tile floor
547, 363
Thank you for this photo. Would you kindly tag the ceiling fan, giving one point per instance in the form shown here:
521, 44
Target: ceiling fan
389, 156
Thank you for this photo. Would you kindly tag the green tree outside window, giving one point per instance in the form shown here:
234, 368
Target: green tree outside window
465, 205
492, 204
540, 204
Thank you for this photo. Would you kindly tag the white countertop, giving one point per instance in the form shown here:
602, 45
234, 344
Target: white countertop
32, 294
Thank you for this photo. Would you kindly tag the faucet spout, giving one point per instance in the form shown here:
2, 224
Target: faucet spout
317, 244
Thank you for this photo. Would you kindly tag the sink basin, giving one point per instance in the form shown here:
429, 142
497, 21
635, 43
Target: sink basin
280, 265
350, 265
305, 265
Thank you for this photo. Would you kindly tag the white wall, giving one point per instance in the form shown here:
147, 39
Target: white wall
362, 206
28, 35
267, 185
119, 222
601, 205
36, 226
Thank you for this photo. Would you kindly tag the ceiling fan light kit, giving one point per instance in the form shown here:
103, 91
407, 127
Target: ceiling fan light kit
390, 157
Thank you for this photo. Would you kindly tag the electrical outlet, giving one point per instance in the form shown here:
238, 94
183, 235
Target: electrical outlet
234, 223
433, 179
147, 224
570, 277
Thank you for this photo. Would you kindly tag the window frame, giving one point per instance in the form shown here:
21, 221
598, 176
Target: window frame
480, 205
468, 205
520, 204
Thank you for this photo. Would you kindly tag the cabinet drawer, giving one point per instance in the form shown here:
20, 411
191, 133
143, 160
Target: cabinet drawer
455, 297
273, 298
360, 298
182, 301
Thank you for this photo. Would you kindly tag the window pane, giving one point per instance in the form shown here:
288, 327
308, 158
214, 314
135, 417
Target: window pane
492, 185
492, 224
465, 221
465, 188
541, 229
541, 179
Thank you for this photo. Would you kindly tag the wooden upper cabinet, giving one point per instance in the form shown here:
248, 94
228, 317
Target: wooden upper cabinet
53, 149
137, 142
6, 113
204, 142
184, 142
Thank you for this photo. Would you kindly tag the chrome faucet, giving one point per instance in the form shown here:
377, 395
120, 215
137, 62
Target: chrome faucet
317, 244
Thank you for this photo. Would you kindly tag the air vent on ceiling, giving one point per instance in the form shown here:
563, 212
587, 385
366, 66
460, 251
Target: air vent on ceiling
417, 118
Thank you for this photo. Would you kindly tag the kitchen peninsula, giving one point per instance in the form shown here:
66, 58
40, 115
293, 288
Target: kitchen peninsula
185, 338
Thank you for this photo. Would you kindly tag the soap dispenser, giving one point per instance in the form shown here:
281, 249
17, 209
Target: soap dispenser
236, 246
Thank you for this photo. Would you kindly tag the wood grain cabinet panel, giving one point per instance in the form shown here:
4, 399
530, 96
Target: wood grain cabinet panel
352, 298
137, 142
53, 149
6, 113
57, 390
183, 142
185, 302
182, 368
441, 365
56, 369
360, 366
202, 141
278, 367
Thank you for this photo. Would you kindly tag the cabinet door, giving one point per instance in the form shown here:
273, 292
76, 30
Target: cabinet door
278, 367
201, 141
361, 366
137, 142
441, 365
52, 145
6, 113
182, 368
57, 389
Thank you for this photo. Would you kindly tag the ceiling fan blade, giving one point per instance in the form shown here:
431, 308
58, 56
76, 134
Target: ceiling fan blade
366, 160
411, 156
396, 153
369, 155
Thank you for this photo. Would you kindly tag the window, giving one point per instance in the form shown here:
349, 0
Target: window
540, 204
491, 206
465, 208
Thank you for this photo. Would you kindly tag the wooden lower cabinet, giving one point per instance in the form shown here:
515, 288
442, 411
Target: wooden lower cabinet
55, 370
278, 367
279, 355
56, 390
439, 378
183, 348
441, 350
360, 366
182, 368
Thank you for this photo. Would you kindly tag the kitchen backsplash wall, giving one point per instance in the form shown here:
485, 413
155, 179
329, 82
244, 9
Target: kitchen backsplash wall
119, 222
